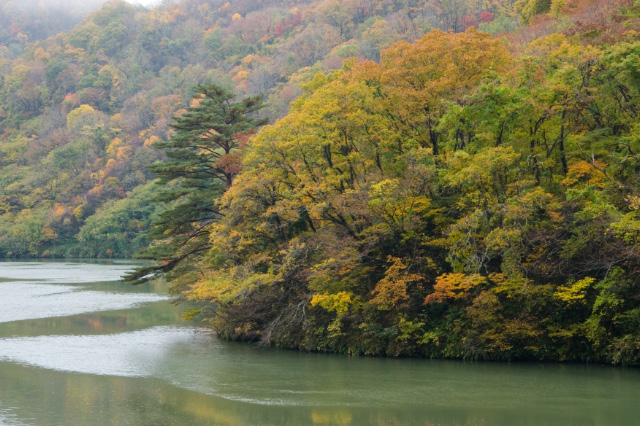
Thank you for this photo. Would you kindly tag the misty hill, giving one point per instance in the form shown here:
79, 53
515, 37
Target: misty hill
80, 110
26, 21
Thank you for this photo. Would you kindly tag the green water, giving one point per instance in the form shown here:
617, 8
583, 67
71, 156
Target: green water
79, 348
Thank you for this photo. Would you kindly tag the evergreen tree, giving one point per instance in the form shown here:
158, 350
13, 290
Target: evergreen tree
201, 162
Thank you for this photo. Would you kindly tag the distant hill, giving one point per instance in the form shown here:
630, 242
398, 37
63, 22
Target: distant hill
25, 21
80, 109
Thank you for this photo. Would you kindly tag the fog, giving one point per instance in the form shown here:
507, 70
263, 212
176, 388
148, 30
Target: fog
145, 2
70, 6
31, 20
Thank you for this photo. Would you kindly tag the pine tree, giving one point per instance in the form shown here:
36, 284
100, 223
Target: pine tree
201, 162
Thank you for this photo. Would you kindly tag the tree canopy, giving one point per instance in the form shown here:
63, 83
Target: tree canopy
449, 201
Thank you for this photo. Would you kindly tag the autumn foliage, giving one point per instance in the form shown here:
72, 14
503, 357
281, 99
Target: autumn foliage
452, 200
425, 188
86, 103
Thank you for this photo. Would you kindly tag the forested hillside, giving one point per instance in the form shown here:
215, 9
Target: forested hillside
80, 111
463, 197
424, 189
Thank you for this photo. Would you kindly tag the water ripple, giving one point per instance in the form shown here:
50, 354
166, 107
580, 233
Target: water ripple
25, 300
133, 354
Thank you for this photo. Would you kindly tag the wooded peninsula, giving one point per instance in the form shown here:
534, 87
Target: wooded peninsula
428, 178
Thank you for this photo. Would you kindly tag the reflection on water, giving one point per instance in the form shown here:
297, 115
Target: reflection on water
65, 272
123, 354
7, 419
42, 297
21, 301
128, 360
109, 322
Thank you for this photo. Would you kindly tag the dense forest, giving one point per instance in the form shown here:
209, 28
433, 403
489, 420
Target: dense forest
81, 110
451, 201
440, 178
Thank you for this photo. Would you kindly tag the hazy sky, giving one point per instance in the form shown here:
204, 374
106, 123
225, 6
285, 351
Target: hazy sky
144, 2
62, 2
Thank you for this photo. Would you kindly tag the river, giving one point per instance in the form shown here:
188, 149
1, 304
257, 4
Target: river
78, 347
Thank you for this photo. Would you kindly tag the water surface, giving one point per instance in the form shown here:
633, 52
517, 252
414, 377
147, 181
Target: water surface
77, 347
